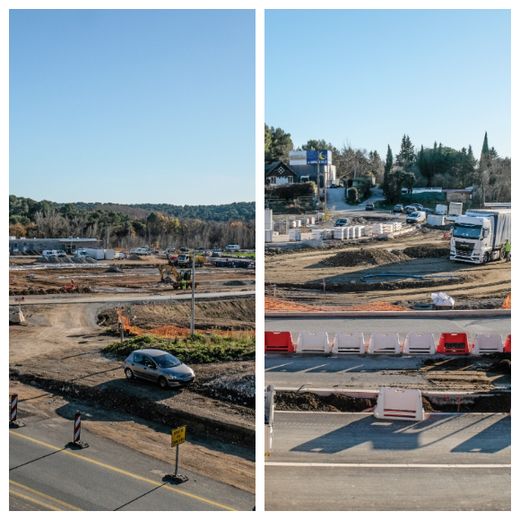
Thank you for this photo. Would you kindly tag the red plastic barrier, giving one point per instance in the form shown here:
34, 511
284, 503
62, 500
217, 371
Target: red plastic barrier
453, 343
278, 342
507, 344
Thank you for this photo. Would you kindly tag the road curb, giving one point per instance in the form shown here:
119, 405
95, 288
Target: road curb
477, 313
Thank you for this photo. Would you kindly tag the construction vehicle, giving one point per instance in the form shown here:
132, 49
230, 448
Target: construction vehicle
480, 235
179, 279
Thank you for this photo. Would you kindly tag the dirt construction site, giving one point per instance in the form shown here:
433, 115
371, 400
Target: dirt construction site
59, 360
382, 275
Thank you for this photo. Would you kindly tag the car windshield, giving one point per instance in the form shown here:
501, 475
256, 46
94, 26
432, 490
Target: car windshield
167, 361
467, 231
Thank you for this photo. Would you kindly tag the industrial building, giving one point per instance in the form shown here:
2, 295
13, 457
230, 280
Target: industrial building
35, 246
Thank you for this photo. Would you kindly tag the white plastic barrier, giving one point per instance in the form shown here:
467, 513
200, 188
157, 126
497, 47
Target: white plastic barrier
268, 440
487, 344
316, 234
344, 343
399, 403
380, 343
313, 343
418, 343
339, 233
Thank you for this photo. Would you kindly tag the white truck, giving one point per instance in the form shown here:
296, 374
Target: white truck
479, 235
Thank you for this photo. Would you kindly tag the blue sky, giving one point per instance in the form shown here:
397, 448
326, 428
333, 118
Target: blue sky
364, 78
132, 106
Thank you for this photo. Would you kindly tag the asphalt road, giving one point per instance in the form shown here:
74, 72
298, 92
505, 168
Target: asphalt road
125, 298
45, 475
337, 461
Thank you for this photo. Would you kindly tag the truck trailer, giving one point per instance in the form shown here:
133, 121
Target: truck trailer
479, 236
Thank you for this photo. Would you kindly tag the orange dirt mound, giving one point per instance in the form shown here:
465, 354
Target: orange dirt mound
172, 331
275, 304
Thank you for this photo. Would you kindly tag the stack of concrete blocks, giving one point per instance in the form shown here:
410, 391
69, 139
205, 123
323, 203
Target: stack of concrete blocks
268, 213
295, 235
339, 233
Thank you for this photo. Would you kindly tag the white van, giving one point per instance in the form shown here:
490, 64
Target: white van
50, 252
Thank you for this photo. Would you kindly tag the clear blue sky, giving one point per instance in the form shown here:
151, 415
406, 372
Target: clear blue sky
364, 78
132, 106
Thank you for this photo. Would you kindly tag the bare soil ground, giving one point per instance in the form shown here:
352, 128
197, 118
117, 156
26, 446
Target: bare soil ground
350, 275
115, 276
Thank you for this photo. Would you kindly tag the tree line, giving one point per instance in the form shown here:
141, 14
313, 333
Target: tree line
132, 227
438, 165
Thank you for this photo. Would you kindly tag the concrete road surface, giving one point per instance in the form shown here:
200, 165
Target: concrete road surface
125, 297
45, 475
336, 200
403, 326
337, 461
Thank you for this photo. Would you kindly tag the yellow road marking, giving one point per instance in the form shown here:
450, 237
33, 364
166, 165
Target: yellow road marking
123, 472
44, 495
33, 500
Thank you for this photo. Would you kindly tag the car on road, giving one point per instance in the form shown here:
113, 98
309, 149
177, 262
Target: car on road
416, 217
369, 206
410, 209
398, 208
341, 222
159, 367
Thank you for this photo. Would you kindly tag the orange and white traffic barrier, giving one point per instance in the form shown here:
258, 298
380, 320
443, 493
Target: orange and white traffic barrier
380, 343
419, 343
507, 345
278, 341
344, 343
454, 343
400, 404
313, 343
487, 344
13, 408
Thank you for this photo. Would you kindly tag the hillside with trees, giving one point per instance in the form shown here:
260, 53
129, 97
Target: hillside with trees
117, 225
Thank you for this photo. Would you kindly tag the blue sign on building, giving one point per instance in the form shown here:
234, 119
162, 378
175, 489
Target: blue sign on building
318, 157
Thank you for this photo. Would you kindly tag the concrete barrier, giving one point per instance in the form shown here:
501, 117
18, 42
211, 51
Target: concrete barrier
487, 344
344, 343
380, 343
399, 403
419, 343
313, 343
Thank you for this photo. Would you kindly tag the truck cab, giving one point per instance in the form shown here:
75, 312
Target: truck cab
479, 236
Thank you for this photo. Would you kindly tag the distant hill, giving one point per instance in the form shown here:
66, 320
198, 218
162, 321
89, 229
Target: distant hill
215, 212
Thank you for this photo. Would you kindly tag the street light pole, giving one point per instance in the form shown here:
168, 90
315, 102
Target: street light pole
192, 322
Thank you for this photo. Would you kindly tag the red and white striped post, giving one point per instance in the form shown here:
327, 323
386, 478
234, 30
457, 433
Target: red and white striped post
13, 408
76, 438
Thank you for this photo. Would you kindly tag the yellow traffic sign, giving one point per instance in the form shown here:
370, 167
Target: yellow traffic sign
178, 435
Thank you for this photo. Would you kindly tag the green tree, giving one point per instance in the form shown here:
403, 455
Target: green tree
280, 144
406, 156
389, 163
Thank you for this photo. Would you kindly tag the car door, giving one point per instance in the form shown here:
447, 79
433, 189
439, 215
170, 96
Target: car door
150, 369
137, 365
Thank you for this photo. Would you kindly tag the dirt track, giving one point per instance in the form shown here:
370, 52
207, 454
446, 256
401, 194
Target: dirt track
357, 274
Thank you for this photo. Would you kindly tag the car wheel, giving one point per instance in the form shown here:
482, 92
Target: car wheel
129, 374
162, 382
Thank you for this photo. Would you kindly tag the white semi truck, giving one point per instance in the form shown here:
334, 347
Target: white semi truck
479, 235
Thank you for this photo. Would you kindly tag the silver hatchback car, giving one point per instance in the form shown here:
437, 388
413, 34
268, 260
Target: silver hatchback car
158, 366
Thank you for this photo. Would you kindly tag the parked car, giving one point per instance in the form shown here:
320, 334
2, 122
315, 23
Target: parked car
158, 366
342, 222
416, 217
369, 206
232, 247
410, 209
398, 208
